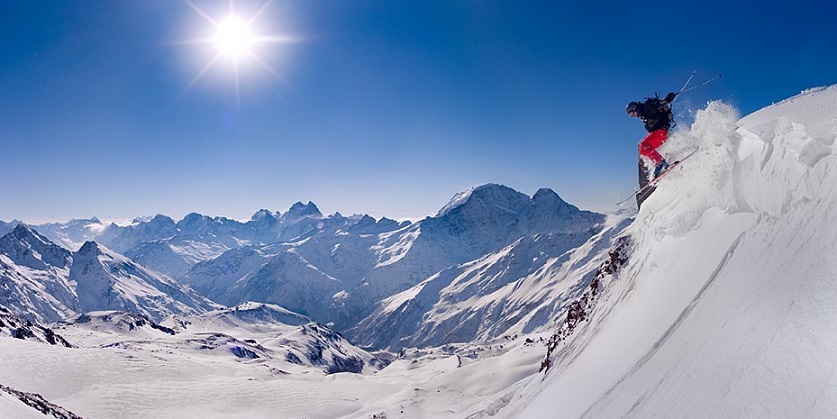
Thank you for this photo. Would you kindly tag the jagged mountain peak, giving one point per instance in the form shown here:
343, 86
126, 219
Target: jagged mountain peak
491, 194
196, 221
548, 208
300, 210
547, 195
22, 232
5, 227
365, 222
158, 219
90, 249
106, 280
262, 215
91, 220
546, 199
27, 247
73, 233
194, 217
498, 206
369, 225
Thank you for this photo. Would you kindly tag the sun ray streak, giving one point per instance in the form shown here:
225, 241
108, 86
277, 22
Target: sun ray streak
201, 13
204, 71
237, 88
266, 67
275, 39
260, 11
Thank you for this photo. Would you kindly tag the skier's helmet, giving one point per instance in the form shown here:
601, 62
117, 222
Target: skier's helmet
632, 108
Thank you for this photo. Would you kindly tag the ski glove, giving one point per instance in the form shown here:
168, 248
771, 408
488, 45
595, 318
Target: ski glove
670, 97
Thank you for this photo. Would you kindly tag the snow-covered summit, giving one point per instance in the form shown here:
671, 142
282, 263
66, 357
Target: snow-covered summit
493, 195
489, 217
264, 220
106, 280
5, 227
26, 247
34, 276
300, 210
493, 205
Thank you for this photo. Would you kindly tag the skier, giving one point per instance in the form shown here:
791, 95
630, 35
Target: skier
658, 119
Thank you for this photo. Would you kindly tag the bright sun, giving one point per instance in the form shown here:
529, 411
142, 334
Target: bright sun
234, 38
235, 42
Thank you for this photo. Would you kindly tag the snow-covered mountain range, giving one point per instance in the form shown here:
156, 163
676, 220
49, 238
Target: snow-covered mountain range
716, 300
43, 281
337, 270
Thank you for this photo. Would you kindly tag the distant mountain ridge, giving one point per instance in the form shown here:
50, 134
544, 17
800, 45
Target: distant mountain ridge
341, 271
40, 280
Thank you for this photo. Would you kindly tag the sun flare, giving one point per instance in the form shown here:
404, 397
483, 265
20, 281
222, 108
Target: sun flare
234, 37
237, 44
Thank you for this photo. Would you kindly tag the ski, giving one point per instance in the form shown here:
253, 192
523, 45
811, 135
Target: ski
656, 180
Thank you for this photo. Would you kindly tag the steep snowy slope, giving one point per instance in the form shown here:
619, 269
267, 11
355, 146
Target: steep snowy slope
33, 276
513, 291
108, 281
289, 281
480, 248
5, 227
728, 304
212, 277
19, 405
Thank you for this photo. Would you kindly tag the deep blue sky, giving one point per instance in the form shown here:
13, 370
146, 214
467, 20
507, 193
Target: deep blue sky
382, 107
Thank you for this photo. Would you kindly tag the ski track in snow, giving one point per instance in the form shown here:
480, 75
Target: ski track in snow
676, 325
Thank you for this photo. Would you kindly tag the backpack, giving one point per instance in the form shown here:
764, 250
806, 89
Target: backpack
657, 114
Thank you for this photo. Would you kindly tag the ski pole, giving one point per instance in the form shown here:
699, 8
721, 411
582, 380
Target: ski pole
684, 86
687, 82
701, 84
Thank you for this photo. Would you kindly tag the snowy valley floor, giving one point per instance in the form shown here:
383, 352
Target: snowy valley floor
165, 380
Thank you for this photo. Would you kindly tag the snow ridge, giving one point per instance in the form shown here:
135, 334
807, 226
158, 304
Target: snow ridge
108, 281
37, 402
13, 326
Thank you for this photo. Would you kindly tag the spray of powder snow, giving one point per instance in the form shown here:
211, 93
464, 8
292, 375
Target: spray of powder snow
765, 163
702, 182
